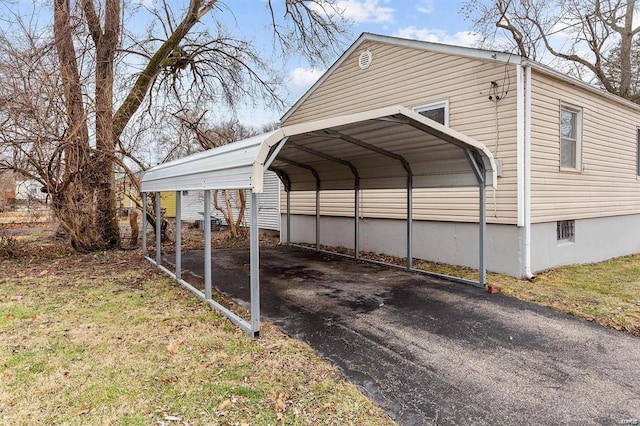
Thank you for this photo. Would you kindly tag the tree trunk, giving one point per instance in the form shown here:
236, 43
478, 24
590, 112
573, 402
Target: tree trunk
73, 196
243, 205
104, 164
626, 49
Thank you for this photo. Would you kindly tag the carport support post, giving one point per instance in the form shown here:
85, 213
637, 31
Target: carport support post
479, 170
207, 244
255, 266
178, 235
318, 218
410, 222
483, 228
158, 230
144, 224
356, 231
288, 215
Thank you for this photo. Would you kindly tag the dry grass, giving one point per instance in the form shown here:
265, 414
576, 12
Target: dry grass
104, 339
38, 215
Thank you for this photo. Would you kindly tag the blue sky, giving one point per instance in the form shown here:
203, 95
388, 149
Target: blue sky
431, 20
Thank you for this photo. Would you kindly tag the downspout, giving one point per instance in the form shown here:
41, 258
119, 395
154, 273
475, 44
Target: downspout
523, 162
520, 144
527, 174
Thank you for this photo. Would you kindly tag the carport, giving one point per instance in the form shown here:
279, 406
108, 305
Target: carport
387, 148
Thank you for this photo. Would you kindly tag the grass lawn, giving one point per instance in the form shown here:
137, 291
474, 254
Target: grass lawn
105, 339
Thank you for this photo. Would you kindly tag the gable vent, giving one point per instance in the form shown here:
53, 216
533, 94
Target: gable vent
365, 60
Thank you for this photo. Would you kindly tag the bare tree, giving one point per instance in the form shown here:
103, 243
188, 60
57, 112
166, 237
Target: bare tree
598, 37
112, 77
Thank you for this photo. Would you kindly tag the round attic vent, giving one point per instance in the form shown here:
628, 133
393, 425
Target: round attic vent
365, 60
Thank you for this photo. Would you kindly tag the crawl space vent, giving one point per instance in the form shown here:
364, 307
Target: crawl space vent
365, 60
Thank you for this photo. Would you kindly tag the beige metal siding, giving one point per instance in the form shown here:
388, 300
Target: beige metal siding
608, 184
411, 77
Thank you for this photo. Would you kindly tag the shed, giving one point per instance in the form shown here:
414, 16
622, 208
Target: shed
391, 147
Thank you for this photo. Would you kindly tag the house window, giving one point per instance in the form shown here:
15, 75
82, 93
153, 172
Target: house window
438, 112
570, 138
566, 230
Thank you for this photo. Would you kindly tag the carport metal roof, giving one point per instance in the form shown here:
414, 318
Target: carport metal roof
379, 148
386, 148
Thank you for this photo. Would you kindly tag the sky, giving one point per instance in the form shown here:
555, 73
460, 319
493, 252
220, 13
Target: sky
430, 20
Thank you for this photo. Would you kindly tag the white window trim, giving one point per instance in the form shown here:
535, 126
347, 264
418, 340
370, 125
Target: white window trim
579, 113
435, 105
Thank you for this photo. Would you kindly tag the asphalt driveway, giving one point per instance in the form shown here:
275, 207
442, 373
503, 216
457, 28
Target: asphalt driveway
434, 352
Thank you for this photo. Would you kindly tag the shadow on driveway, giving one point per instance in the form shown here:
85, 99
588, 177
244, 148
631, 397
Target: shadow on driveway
430, 351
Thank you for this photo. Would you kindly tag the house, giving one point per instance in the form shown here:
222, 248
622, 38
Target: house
30, 191
568, 188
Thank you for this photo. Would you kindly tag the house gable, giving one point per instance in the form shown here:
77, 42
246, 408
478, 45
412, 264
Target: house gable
394, 61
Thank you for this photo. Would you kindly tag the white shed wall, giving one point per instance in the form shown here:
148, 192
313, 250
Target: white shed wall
269, 204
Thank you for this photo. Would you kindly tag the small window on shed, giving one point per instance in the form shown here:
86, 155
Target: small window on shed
566, 230
438, 112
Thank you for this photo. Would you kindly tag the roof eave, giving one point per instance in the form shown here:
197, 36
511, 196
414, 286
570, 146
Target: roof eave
579, 83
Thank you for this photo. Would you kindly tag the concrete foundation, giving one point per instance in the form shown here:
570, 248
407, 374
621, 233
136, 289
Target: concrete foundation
447, 242
457, 243
595, 240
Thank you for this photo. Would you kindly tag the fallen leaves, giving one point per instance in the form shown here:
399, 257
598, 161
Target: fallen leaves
224, 405
83, 411
172, 347
281, 406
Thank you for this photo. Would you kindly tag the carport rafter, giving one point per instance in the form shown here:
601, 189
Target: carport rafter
407, 168
356, 176
315, 174
275, 150
427, 129
284, 177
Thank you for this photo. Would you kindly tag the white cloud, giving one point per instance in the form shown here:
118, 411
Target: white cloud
425, 6
302, 78
360, 11
462, 38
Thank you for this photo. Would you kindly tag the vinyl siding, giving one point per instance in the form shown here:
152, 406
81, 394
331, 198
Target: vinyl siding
411, 77
607, 184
